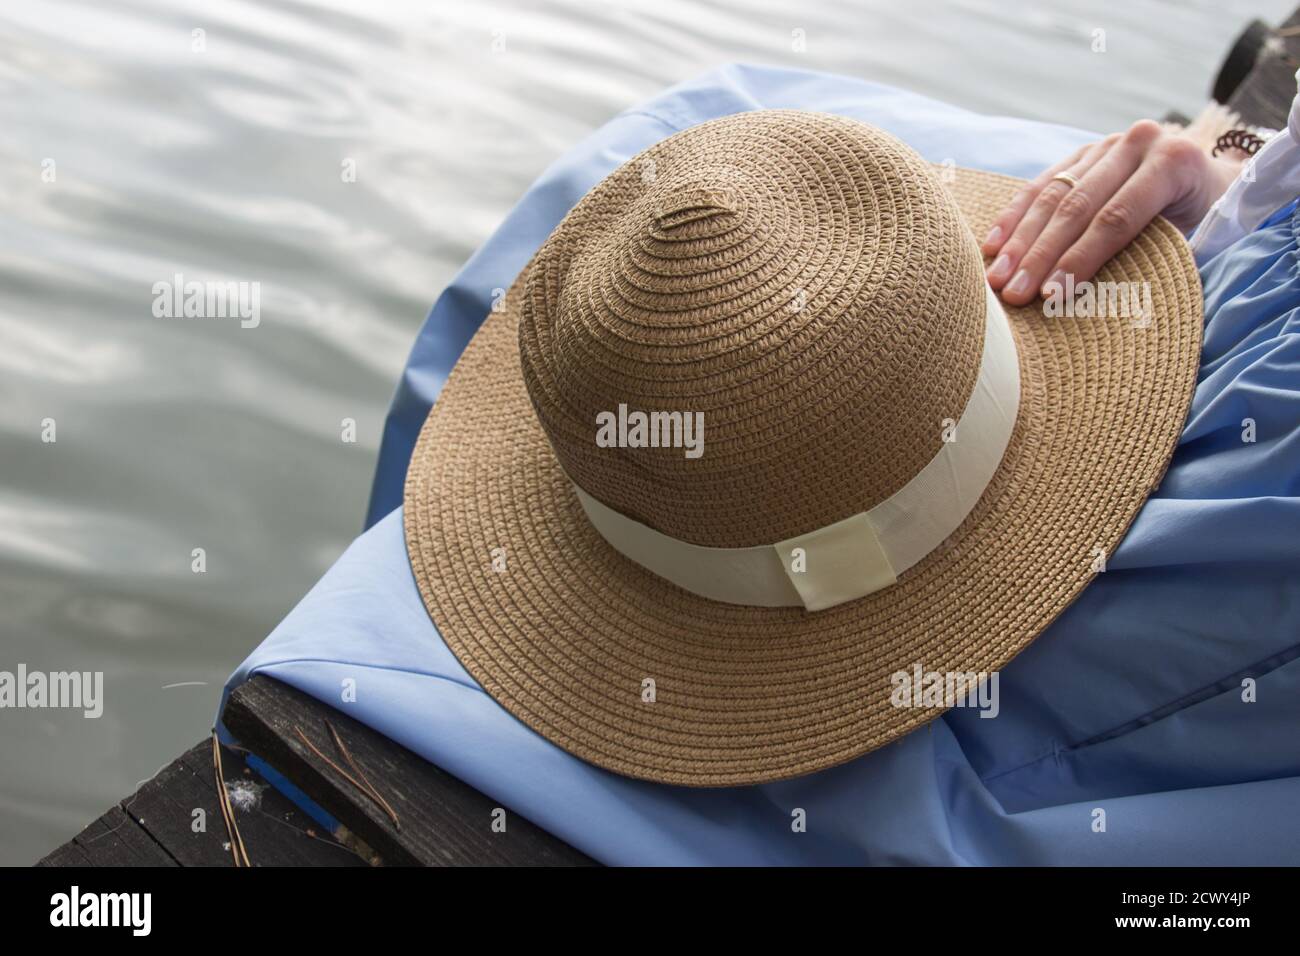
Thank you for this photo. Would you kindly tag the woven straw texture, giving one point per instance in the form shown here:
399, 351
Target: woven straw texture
777, 275
814, 288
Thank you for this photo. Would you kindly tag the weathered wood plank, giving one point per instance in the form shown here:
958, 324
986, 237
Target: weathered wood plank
443, 821
117, 840
164, 808
1264, 97
67, 855
275, 832
156, 825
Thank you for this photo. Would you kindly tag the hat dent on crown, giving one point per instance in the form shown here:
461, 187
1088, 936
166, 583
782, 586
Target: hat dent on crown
811, 288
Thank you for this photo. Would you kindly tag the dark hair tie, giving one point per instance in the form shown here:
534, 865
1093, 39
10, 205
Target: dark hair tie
1241, 139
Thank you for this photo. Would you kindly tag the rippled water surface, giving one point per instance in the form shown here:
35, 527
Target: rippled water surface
224, 163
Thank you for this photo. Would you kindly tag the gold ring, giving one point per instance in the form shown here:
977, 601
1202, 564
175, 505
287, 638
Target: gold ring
1068, 178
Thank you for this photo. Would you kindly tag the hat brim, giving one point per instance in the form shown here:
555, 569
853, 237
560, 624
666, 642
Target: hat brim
567, 635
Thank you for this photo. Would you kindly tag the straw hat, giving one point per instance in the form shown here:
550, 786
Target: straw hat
750, 436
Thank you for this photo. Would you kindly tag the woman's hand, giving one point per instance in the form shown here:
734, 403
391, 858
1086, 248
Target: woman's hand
1052, 229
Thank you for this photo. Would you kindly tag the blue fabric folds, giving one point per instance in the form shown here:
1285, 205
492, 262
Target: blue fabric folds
1132, 703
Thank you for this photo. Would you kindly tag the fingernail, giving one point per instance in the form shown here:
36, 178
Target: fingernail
1019, 284
1001, 266
1055, 284
994, 238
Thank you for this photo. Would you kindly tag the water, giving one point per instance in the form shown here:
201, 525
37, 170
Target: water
224, 163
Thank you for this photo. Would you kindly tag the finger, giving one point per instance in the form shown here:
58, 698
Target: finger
1119, 221
1035, 218
1008, 218
1072, 216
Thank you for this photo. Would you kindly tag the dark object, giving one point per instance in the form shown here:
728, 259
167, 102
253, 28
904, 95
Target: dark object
155, 826
1240, 139
1263, 98
444, 822
1241, 59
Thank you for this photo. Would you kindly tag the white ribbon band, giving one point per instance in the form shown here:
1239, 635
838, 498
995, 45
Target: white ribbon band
867, 551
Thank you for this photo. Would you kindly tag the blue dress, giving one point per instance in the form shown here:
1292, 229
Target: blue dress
1156, 722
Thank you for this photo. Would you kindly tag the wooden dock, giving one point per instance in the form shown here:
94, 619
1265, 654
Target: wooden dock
156, 826
440, 821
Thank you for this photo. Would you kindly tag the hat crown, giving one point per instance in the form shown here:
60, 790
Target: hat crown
801, 284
